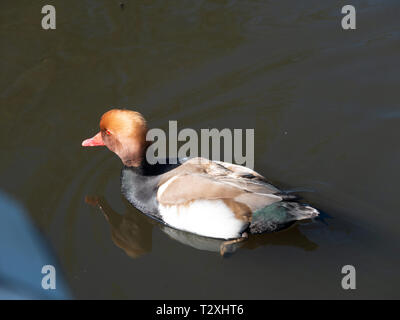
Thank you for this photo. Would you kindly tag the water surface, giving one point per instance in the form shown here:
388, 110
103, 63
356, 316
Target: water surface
324, 104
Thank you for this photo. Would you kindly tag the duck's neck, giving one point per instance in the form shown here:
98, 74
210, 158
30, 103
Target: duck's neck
135, 154
146, 169
135, 161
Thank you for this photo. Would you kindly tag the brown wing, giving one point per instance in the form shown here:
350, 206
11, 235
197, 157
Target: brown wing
242, 189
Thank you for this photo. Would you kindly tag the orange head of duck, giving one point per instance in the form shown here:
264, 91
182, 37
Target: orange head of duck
124, 133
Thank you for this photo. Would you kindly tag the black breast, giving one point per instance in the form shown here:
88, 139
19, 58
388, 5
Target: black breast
140, 185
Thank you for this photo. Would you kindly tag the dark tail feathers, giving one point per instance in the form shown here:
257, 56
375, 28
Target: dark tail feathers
280, 215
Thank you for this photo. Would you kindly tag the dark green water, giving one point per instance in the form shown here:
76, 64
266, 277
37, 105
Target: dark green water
324, 104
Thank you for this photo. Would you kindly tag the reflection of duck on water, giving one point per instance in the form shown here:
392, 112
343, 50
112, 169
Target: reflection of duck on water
132, 232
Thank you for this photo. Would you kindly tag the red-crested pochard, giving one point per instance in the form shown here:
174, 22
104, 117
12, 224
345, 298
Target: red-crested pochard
209, 198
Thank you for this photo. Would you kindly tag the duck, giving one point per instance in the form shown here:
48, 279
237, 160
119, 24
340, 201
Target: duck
205, 197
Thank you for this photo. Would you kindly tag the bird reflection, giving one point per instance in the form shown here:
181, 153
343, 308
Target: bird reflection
132, 232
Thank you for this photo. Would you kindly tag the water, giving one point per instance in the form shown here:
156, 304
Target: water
323, 102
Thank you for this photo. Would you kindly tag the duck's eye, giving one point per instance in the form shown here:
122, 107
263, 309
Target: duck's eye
108, 132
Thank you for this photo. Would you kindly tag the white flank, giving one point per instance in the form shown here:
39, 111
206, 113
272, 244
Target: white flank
209, 218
